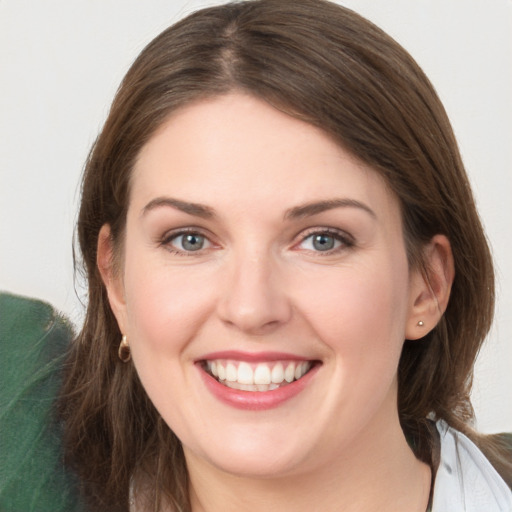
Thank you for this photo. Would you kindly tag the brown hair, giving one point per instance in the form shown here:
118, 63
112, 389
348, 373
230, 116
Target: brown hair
332, 68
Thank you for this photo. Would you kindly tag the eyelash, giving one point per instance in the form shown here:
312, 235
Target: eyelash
168, 238
345, 241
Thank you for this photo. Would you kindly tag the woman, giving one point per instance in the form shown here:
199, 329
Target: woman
288, 278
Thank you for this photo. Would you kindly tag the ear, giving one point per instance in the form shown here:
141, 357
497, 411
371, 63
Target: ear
430, 292
111, 276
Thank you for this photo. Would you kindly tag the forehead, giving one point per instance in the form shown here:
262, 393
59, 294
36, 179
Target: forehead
237, 148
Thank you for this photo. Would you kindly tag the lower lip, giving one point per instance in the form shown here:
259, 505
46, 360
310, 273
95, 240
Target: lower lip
256, 400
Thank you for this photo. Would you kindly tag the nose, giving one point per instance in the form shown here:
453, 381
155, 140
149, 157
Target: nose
254, 298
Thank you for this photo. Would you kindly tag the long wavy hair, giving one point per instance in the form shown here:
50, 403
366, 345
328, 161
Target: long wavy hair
328, 66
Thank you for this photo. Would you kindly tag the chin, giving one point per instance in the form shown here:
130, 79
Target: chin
257, 467
253, 456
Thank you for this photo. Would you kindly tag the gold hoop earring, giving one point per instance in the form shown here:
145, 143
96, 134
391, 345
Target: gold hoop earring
124, 350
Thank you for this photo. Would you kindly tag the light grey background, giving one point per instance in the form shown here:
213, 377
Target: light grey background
60, 64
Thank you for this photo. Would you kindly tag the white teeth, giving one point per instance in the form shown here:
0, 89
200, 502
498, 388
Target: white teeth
277, 374
262, 374
301, 370
245, 374
231, 373
289, 373
256, 377
251, 387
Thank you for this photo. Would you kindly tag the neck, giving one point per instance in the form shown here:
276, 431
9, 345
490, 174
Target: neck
378, 472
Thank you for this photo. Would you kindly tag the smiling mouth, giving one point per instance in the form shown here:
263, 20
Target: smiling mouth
247, 376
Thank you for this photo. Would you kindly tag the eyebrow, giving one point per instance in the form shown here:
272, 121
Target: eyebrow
196, 209
314, 208
297, 212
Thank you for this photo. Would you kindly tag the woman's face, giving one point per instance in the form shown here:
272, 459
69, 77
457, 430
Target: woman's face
259, 252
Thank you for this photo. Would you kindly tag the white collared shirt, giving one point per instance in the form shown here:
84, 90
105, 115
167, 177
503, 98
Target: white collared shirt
465, 480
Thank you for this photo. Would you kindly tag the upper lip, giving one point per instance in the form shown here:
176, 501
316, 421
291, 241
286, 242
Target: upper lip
253, 357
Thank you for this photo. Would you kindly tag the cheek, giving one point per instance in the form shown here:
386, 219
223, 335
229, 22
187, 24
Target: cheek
361, 320
165, 311
164, 304
360, 313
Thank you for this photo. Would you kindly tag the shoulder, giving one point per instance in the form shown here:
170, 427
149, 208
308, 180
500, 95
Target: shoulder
32, 335
33, 340
466, 480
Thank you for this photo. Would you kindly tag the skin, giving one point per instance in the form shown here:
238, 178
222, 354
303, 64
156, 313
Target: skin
259, 284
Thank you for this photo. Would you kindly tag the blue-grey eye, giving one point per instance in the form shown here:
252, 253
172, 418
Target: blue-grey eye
321, 242
190, 242
193, 242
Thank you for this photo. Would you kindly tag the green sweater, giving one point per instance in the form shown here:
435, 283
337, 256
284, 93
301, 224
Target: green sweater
33, 340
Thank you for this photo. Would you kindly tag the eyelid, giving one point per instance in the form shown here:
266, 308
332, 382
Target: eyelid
346, 239
166, 239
